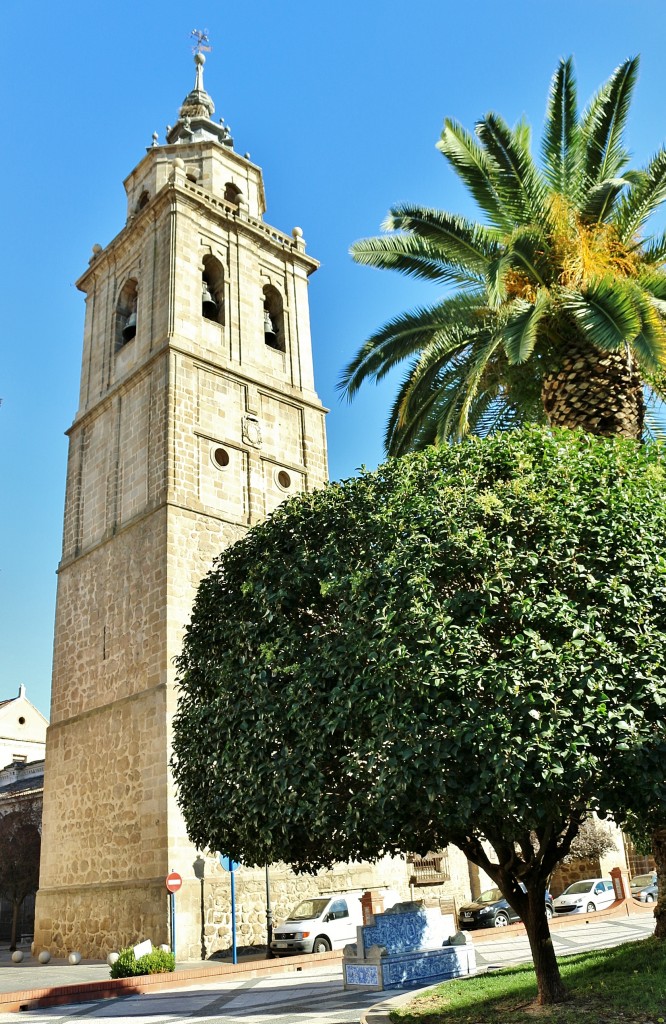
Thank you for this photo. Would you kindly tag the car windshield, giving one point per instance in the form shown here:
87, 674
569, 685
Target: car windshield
307, 909
578, 887
640, 880
490, 896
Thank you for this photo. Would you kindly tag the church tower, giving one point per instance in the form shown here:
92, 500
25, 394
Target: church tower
197, 416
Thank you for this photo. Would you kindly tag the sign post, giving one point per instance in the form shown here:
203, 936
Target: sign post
173, 882
230, 865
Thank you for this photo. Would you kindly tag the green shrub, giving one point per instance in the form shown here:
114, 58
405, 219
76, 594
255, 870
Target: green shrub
157, 962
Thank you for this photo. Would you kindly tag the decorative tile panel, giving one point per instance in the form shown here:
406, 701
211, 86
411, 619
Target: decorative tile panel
362, 974
417, 968
403, 933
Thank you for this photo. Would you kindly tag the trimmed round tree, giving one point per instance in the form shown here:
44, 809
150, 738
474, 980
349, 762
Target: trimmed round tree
461, 647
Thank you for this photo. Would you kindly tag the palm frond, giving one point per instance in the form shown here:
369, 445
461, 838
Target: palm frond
520, 330
649, 344
653, 252
600, 201
643, 198
475, 169
528, 251
496, 279
654, 283
496, 413
560, 149
655, 412
408, 334
518, 179
414, 256
457, 240
606, 312
603, 124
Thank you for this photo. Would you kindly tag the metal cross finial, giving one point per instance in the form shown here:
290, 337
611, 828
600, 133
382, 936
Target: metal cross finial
202, 41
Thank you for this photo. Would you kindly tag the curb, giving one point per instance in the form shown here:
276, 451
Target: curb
113, 988
379, 1013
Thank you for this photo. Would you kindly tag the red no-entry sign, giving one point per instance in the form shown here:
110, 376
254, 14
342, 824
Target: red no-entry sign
173, 881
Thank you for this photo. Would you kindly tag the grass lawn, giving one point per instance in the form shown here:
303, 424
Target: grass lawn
626, 985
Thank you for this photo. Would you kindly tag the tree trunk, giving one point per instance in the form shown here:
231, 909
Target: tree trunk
659, 854
549, 982
599, 392
15, 915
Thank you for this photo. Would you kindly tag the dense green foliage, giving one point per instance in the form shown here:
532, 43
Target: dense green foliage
464, 646
558, 273
459, 645
626, 984
160, 961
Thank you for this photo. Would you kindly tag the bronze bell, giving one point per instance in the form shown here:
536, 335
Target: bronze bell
129, 330
208, 303
270, 337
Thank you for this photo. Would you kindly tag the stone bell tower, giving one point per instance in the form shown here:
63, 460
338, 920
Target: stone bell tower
197, 416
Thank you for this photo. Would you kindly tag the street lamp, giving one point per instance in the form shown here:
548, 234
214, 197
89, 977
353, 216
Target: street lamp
269, 918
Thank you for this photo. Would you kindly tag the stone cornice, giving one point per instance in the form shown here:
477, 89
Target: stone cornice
196, 197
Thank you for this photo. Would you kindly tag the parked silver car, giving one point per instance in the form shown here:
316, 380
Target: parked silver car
585, 897
645, 887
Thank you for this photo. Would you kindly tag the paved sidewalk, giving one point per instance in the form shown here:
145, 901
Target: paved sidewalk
30, 974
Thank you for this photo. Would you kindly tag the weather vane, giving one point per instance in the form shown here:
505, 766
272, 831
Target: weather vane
202, 41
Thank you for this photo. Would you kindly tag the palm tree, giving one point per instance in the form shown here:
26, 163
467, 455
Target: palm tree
558, 307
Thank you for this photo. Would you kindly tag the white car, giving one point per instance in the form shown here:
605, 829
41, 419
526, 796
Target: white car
585, 897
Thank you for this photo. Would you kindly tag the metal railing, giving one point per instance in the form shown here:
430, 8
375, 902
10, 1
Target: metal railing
433, 869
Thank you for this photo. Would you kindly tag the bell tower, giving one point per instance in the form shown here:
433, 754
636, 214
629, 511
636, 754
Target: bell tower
197, 416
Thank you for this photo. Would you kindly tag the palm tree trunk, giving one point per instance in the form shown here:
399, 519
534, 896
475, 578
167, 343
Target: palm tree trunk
599, 392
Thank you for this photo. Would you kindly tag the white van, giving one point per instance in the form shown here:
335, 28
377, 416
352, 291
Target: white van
321, 923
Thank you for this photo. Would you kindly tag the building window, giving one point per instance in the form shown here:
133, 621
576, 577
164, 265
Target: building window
220, 457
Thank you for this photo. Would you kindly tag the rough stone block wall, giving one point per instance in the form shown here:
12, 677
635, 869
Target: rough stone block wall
111, 621
102, 919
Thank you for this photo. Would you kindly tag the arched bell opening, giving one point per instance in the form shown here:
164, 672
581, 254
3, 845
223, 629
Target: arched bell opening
126, 312
274, 336
212, 290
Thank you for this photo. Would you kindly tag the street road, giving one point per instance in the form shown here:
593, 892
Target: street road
313, 996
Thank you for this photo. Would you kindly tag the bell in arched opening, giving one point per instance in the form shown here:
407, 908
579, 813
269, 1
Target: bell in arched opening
209, 307
129, 330
270, 334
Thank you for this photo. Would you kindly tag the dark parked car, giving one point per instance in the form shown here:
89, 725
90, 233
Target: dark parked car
645, 887
491, 910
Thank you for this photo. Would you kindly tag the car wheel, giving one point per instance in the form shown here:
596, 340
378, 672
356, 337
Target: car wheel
549, 913
321, 944
591, 908
649, 898
501, 920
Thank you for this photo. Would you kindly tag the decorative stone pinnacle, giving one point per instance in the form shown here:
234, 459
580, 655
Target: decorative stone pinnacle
198, 103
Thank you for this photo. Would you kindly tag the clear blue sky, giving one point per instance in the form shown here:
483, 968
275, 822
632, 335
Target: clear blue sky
340, 103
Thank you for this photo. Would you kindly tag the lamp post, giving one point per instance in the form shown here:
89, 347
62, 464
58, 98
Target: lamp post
269, 918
